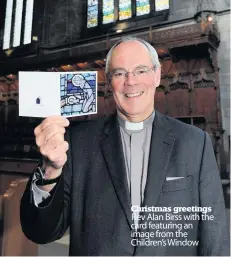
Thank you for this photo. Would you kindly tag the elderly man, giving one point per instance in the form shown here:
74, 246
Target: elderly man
116, 171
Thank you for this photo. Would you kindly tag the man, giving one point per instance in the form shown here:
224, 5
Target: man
120, 167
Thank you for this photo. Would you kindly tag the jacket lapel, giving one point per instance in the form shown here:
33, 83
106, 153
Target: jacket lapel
160, 152
112, 149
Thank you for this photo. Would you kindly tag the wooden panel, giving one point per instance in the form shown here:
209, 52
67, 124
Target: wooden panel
160, 101
205, 104
11, 170
14, 242
178, 103
6, 179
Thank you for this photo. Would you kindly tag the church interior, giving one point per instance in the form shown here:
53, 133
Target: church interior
76, 35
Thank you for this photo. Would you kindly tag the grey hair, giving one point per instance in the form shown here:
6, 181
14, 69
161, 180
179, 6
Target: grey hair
151, 49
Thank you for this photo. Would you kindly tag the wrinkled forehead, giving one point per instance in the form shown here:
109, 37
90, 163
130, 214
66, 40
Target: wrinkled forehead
131, 45
130, 53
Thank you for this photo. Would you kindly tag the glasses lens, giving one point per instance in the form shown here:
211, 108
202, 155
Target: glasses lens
140, 72
119, 74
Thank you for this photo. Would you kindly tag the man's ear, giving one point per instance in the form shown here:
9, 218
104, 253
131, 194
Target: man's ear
157, 76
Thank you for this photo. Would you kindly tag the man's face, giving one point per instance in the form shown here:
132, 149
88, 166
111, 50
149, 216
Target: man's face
134, 95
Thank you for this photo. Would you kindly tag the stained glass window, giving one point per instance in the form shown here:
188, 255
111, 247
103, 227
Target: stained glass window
18, 23
14, 11
92, 13
161, 5
142, 7
28, 21
108, 11
125, 9
8, 21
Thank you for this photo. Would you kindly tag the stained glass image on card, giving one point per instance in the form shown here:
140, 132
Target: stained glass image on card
78, 92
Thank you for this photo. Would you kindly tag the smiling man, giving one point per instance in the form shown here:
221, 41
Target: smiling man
122, 169
134, 79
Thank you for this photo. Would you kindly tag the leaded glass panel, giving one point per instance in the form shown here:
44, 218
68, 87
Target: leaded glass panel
142, 7
161, 5
92, 13
108, 11
125, 9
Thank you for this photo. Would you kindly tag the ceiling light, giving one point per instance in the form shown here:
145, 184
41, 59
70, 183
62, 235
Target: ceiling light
209, 18
119, 31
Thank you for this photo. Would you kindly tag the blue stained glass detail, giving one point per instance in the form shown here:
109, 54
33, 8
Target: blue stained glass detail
78, 92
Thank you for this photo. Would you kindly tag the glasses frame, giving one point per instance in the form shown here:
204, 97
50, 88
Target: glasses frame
110, 77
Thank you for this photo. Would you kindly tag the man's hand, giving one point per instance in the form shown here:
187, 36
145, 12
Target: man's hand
49, 136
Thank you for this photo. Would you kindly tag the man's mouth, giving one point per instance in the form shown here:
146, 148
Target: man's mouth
130, 95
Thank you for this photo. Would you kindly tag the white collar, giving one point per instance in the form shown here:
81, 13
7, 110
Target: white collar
135, 126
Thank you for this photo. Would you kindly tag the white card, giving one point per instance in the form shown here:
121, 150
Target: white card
43, 94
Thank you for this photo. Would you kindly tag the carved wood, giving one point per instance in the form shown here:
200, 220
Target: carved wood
189, 89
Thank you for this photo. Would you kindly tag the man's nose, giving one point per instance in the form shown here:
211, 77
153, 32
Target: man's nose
130, 79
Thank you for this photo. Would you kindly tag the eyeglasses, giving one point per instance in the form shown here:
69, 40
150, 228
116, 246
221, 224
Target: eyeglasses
122, 74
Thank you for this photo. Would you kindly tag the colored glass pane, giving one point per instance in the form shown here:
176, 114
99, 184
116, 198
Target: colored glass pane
8, 23
125, 9
142, 7
78, 93
92, 13
108, 11
18, 23
28, 22
161, 5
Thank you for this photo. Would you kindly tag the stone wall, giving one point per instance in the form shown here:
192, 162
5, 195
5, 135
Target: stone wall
223, 21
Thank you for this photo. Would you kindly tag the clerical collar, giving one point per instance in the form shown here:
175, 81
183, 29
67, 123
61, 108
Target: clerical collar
134, 126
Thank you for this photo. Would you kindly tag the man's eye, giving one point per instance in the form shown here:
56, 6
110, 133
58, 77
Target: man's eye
143, 71
118, 74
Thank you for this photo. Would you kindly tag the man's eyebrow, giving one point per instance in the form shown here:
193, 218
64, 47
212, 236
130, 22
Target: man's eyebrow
118, 69
141, 66
137, 67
